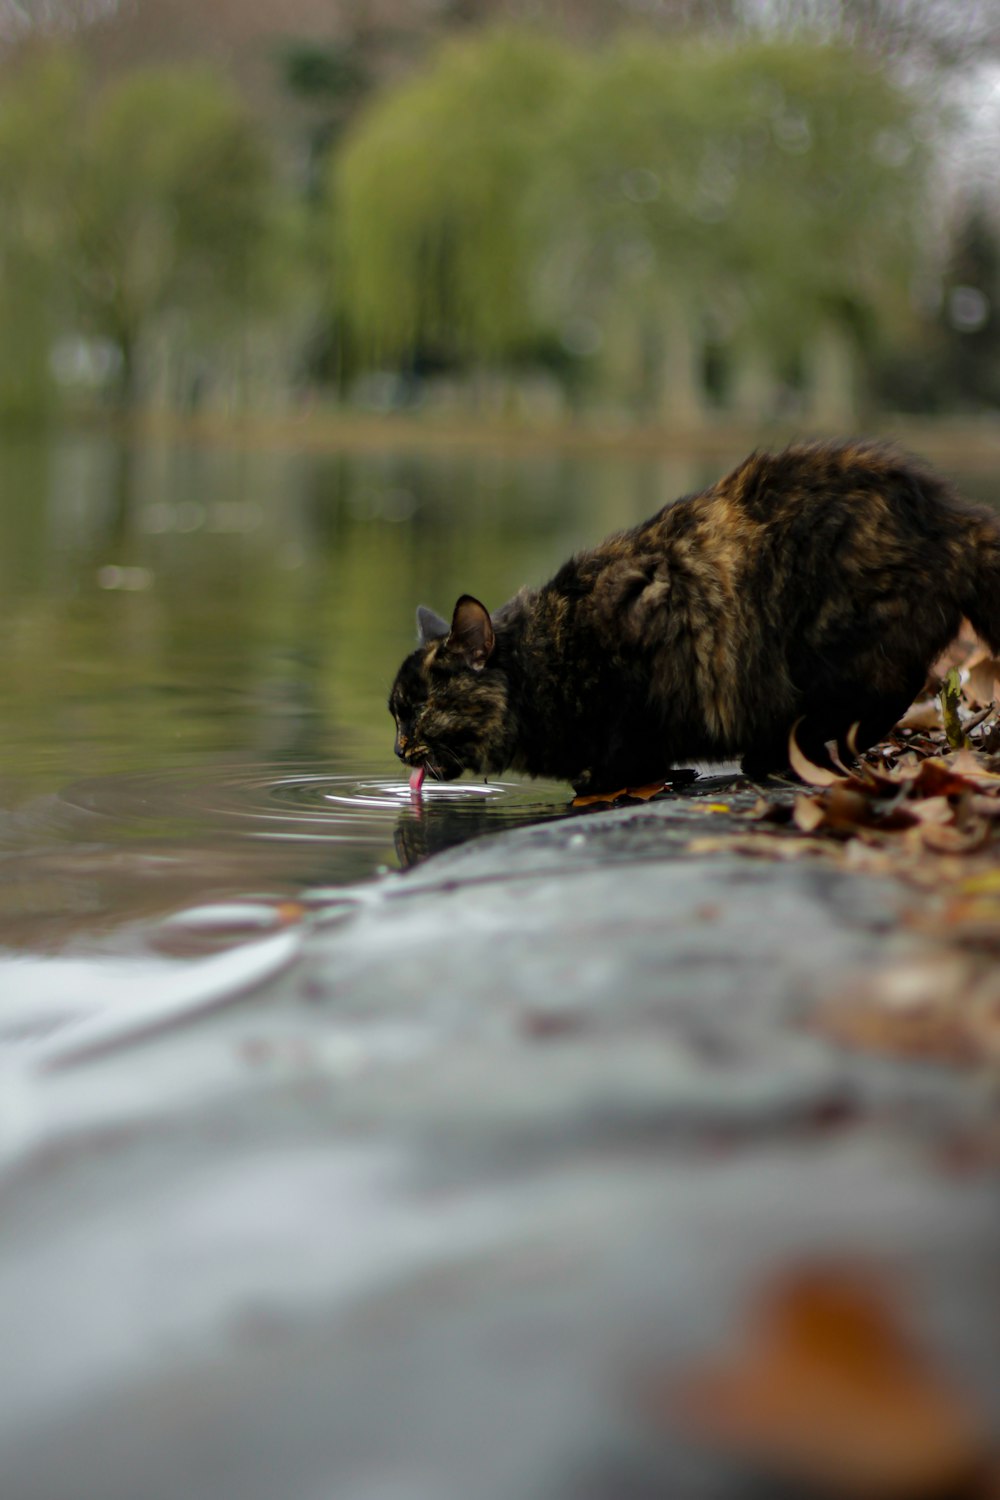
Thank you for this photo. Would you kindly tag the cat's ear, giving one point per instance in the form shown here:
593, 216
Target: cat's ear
471, 634
430, 627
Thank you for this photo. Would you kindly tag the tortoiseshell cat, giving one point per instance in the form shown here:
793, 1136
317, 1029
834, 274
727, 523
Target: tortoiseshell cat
817, 584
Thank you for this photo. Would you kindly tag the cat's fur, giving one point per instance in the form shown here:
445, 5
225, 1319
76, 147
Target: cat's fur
818, 583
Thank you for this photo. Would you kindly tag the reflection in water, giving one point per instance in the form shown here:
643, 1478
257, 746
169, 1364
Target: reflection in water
99, 940
108, 853
438, 821
197, 646
198, 643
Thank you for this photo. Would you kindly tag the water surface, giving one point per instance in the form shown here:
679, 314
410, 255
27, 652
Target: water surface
198, 643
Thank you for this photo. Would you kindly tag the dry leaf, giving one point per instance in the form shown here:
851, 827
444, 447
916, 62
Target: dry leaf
623, 794
761, 846
981, 672
594, 798
932, 810
806, 769
943, 1006
923, 715
828, 1389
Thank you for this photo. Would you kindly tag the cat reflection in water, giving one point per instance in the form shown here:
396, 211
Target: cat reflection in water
816, 584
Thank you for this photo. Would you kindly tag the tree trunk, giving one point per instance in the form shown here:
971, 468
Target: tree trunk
682, 396
831, 379
754, 396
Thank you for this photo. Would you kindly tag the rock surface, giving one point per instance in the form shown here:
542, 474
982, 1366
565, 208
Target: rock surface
498, 1153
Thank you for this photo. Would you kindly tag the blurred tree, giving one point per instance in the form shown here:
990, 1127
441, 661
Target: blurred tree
762, 196
173, 209
429, 197
970, 310
331, 79
39, 137
639, 202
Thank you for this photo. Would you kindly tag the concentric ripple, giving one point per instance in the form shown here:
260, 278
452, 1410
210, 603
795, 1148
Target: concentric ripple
121, 885
269, 801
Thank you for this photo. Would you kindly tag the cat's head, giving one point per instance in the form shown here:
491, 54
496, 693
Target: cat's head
449, 699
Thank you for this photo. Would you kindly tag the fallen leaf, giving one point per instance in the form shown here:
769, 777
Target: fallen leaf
943, 1006
932, 810
808, 814
954, 840
763, 846
593, 798
828, 1389
981, 672
923, 715
804, 768
967, 763
645, 793
623, 794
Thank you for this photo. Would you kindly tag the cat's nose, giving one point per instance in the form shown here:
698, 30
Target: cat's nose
400, 746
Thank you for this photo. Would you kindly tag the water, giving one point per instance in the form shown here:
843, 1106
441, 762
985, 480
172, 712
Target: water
197, 646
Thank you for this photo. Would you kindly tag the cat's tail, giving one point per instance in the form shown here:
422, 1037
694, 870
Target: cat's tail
981, 583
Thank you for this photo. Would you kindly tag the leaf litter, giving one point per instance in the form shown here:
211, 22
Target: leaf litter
922, 807
828, 1391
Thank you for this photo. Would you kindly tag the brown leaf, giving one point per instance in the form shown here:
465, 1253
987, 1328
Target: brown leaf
931, 810
645, 793
936, 778
593, 798
943, 1006
970, 764
809, 814
623, 794
764, 811
827, 1388
925, 715
806, 769
763, 846
981, 674
952, 840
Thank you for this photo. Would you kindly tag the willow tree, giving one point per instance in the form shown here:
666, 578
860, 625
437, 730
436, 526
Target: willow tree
39, 167
764, 194
173, 208
830, 209
632, 202
432, 240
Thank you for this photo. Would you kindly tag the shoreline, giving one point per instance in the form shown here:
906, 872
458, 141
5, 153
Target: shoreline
969, 444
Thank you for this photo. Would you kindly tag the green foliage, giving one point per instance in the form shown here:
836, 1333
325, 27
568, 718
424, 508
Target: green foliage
517, 186
327, 73
152, 202
429, 227
950, 697
39, 114
174, 204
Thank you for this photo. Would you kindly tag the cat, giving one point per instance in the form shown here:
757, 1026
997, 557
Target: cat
817, 584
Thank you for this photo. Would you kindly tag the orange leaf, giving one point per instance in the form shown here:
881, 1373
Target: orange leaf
595, 797
828, 1389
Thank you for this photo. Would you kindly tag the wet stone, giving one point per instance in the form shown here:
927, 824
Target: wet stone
521, 1135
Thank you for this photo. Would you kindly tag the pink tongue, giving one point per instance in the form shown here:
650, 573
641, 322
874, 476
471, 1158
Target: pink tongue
417, 778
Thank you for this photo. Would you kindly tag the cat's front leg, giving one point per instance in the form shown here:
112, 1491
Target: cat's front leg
584, 784
598, 781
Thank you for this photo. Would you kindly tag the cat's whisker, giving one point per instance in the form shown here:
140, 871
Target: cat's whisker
452, 756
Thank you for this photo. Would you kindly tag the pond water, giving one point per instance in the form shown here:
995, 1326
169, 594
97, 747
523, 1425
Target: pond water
198, 643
